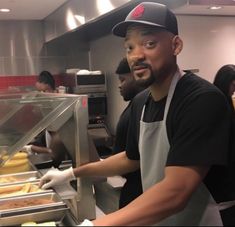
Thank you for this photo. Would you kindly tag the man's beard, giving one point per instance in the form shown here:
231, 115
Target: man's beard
146, 82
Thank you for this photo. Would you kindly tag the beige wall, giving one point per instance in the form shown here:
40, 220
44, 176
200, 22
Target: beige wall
208, 43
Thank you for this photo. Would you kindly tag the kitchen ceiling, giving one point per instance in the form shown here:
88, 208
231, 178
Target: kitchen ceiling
39, 9
29, 9
204, 7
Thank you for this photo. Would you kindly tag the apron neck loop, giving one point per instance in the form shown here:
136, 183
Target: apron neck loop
178, 74
175, 79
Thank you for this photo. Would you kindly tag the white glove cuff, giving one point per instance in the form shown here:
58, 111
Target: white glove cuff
70, 173
28, 149
86, 222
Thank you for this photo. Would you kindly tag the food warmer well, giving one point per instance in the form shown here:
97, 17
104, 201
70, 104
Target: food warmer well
22, 117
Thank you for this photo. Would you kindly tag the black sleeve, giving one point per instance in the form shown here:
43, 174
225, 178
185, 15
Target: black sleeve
121, 131
39, 140
132, 148
201, 132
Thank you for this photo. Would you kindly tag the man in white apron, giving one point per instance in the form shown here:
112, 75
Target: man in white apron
174, 134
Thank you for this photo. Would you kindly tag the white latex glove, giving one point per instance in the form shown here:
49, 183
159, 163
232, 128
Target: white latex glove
86, 222
55, 177
28, 149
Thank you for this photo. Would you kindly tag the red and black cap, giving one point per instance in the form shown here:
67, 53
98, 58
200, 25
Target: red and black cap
148, 13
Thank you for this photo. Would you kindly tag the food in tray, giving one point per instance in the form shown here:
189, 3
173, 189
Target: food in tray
26, 202
8, 179
51, 223
13, 190
11, 179
18, 163
19, 155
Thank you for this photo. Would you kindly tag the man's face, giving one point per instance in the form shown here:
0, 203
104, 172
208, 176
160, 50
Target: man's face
128, 87
149, 53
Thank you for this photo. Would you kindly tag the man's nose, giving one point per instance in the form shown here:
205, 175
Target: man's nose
136, 55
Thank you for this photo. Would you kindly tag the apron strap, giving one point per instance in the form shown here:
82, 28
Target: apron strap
174, 82
178, 74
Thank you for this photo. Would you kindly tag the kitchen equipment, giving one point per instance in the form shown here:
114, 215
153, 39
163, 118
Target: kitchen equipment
24, 115
85, 83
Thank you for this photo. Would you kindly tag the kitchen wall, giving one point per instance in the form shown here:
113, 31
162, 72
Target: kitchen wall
208, 44
20, 45
23, 50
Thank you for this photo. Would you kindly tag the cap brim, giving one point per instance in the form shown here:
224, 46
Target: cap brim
120, 29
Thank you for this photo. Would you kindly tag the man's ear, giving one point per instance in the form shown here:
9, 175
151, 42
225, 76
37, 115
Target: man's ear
177, 45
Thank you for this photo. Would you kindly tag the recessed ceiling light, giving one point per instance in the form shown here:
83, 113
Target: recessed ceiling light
5, 10
215, 7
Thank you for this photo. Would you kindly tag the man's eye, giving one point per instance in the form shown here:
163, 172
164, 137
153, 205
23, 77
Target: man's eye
150, 44
128, 49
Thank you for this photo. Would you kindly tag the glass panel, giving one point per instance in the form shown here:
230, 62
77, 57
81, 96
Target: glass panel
23, 116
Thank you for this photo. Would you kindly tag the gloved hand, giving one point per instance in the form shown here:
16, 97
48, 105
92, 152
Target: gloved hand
28, 149
86, 222
55, 177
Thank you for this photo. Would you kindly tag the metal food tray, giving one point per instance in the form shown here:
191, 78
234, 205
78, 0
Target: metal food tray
23, 177
56, 215
56, 203
23, 194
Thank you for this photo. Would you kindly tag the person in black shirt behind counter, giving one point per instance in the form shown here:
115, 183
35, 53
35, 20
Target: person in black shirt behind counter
179, 134
47, 143
128, 90
44, 83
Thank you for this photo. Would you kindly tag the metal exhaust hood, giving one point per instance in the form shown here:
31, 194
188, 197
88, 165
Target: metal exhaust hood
92, 19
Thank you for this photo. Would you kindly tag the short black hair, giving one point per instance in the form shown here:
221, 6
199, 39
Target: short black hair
123, 67
47, 78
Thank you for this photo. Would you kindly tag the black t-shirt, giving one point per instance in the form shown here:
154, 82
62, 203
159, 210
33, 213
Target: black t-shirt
40, 139
198, 128
133, 186
121, 131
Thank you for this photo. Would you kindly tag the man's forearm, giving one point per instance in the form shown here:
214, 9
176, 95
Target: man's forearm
117, 164
38, 149
162, 200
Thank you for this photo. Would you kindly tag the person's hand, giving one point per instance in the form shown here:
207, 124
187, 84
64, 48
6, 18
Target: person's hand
86, 222
55, 177
28, 149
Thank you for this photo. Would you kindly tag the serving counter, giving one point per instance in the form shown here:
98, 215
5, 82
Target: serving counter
22, 117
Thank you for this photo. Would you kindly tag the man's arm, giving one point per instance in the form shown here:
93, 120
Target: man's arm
160, 201
115, 165
118, 164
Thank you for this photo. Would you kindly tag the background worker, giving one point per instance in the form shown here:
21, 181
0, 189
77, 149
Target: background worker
47, 142
128, 90
225, 81
174, 137
45, 82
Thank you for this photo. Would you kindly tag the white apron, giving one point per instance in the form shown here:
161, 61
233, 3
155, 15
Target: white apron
154, 147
